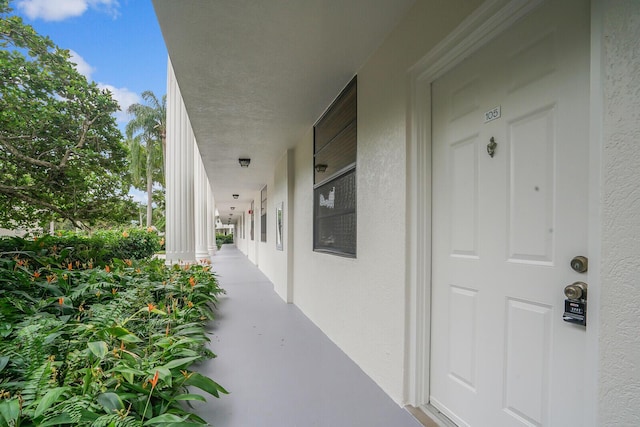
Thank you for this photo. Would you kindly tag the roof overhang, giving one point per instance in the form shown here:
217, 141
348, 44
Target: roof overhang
256, 75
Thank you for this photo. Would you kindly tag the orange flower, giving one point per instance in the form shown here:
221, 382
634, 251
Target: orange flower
154, 380
189, 304
114, 291
151, 306
125, 234
107, 268
61, 300
70, 266
36, 274
192, 281
128, 262
162, 242
50, 278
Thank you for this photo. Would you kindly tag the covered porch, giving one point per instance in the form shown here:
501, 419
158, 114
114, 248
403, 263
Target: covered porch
279, 368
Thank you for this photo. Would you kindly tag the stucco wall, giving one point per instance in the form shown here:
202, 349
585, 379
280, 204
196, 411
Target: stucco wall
273, 262
360, 303
619, 388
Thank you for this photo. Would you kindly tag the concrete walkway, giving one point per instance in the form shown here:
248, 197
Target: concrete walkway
281, 370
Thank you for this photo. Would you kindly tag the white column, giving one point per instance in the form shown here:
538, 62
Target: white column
211, 225
200, 199
180, 235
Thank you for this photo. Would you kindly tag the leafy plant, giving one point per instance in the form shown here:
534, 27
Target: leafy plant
101, 345
223, 238
61, 152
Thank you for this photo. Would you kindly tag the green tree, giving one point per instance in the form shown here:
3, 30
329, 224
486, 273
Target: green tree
61, 153
146, 134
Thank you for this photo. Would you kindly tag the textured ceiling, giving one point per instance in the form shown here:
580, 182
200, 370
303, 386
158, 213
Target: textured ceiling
256, 75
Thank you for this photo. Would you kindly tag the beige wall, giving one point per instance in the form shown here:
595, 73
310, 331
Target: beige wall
273, 262
360, 303
619, 362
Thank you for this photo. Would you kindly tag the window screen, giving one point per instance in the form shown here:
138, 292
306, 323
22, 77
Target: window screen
263, 215
251, 228
335, 149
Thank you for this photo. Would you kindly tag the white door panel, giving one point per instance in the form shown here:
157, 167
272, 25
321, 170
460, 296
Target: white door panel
506, 227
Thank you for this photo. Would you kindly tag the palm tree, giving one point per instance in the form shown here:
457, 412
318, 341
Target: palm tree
146, 135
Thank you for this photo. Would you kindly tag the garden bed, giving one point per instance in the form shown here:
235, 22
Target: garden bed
100, 341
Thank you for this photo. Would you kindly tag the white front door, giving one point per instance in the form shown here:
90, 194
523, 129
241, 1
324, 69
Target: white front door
505, 227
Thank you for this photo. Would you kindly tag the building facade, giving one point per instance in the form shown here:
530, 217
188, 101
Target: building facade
492, 144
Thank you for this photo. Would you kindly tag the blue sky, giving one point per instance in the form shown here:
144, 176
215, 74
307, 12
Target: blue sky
116, 43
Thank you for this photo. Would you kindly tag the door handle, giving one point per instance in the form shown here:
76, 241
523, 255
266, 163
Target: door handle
576, 291
575, 306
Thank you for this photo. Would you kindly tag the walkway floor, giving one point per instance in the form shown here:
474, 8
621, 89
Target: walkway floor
280, 369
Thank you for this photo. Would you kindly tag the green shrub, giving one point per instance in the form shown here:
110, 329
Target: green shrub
86, 345
99, 249
221, 239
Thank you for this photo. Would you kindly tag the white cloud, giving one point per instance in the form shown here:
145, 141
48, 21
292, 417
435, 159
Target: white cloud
138, 196
59, 10
122, 95
82, 66
125, 97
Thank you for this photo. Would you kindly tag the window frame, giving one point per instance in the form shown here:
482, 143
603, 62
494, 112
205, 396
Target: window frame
251, 230
348, 167
263, 214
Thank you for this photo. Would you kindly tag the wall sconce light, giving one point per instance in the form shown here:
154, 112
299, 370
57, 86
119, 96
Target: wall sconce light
320, 168
235, 196
232, 207
244, 162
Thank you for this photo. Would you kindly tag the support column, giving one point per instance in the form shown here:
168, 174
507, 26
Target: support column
211, 225
200, 199
180, 233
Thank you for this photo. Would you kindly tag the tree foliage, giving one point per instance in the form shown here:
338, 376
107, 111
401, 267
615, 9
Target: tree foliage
146, 134
61, 153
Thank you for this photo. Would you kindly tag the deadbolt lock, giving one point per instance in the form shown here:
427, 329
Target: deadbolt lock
580, 264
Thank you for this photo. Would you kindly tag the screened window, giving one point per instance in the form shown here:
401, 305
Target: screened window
251, 228
263, 214
334, 156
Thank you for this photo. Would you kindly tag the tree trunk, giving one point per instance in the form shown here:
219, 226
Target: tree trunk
149, 185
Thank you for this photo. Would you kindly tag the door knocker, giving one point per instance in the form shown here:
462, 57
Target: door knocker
491, 147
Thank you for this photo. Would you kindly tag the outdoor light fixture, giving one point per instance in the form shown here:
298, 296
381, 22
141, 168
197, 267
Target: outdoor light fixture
244, 162
235, 196
321, 168
233, 207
